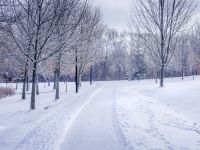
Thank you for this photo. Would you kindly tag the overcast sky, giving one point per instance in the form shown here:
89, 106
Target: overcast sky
115, 12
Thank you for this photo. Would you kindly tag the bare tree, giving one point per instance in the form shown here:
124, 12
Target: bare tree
183, 54
89, 31
159, 22
33, 32
110, 36
66, 32
195, 51
137, 53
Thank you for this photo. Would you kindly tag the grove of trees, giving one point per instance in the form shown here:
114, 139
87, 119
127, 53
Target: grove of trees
66, 40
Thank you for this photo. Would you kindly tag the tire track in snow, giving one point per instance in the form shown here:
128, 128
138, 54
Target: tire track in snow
49, 134
75, 115
94, 128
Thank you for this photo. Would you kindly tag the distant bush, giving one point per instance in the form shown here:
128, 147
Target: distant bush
4, 92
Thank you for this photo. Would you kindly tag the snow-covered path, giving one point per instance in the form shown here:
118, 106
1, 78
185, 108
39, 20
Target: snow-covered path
48, 134
117, 116
107, 116
96, 127
122, 117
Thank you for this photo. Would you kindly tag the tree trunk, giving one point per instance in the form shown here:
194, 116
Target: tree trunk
79, 80
58, 77
24, 82
182, 73
162, 45
27, 83
91, 74
37, 84
104, 69
33, 86
76, 70
16, 85
156, 75
119, 73
49, 82
55, 76
162, 76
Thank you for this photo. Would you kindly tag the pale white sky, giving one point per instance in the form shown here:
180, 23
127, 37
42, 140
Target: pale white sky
115, 12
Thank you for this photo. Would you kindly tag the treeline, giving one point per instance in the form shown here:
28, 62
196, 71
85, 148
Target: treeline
42, 38
126, 56
66, 40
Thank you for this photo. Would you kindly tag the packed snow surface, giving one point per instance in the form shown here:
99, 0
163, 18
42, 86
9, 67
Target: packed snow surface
118, 115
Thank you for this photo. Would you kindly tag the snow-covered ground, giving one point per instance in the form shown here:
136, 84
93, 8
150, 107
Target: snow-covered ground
105, 116
156, 118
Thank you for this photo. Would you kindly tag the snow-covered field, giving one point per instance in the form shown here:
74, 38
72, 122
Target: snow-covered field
105, 116
156, 118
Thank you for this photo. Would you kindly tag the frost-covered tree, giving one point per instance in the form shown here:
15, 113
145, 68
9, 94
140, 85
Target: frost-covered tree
89, 31
182, 54
159, 24
137, 57
34, 30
